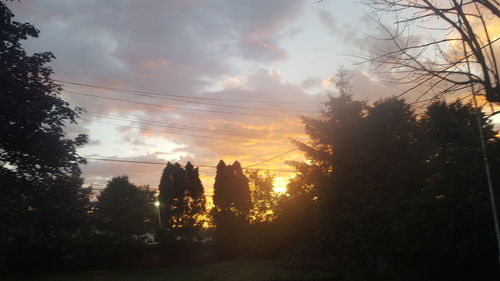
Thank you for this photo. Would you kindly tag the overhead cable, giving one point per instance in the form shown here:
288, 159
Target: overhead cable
179, 126
163, 163
185, 134
180, 108
179, 96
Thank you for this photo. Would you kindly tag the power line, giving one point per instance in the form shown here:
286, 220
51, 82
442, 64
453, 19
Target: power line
272, 158
103, 188
185, 134
163, 163
176, 107
213, 104
179, 126
172, 95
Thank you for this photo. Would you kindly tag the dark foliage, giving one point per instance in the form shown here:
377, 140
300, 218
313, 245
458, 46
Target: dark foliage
42, 206
182, 202
263, 197
232, 204
392, 194
124, 210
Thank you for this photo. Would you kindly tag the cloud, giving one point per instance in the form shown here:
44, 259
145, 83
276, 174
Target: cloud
311, 83
97, 173
344, 32
221, 50
367, 39
175, 45
204, 137
93, 142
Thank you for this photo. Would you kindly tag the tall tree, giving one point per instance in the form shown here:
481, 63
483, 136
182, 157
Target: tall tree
172, 191
454, 213
32, 119
182, 200
361, 172
232, 204
195, 203
444, 47
39, 171
392, 189
366, 158
231, 189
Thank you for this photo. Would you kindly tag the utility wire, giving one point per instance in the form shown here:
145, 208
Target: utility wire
163, 163
103, 188
177, 107
178, 126
272, 158
213, 104
185, 134
172, 95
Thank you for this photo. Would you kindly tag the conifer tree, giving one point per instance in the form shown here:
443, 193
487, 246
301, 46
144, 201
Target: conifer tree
232, 204
182, 200
194, 201
231, 189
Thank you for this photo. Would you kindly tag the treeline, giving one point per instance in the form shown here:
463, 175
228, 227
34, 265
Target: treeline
386, 193
395, 193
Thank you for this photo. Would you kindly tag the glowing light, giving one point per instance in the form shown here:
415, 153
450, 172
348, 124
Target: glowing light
326, 82
280, 184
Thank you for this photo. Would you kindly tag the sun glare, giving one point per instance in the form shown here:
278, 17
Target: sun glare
280, 184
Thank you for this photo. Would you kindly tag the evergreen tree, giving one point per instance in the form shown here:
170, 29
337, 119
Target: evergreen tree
451, 229
387, 190
231, 189
195, 203
232, 204
182, 201
364, 169
172, 191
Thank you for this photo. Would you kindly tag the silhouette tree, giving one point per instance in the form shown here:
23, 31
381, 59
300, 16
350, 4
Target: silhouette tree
182, 201
451, 222
39, 172
172, 190
33, 143
445, 47
263, 197
125, 210
232, 204
362, 170
388, 191
195, 203
231, 189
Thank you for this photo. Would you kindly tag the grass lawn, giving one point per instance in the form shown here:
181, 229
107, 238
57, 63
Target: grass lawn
240, 270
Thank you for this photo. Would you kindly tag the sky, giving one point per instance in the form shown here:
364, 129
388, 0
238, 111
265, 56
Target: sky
212, 80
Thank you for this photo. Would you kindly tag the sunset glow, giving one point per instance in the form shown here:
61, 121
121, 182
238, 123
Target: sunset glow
200, 89
250, 140
280, 184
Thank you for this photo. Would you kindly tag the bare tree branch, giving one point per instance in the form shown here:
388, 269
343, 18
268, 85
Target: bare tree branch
431, 63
